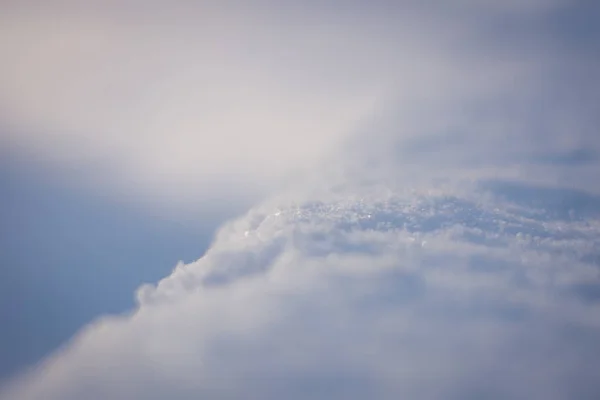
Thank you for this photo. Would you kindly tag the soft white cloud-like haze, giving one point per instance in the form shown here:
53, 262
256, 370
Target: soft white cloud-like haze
191, 97
182, 101
445, 243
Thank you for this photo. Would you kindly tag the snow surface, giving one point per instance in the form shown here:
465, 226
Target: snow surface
488, 290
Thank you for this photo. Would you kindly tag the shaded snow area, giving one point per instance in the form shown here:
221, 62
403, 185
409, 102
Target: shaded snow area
364, 289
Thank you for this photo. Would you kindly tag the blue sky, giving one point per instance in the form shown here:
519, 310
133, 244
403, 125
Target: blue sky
382, 199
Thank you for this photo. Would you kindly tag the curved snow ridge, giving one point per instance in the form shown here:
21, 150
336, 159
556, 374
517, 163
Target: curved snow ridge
484, 233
